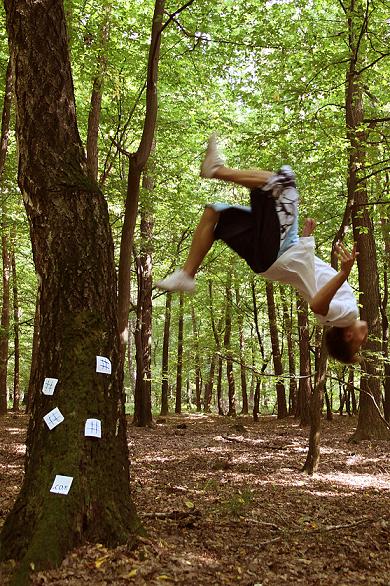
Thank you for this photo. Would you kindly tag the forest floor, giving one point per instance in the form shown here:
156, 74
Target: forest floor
224, 503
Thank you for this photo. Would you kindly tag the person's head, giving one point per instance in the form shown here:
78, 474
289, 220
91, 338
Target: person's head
343, 344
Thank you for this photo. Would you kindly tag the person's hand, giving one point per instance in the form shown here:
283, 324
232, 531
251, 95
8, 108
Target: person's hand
309, 227
346, 258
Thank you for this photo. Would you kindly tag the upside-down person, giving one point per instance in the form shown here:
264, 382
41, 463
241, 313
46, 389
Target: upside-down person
266, 236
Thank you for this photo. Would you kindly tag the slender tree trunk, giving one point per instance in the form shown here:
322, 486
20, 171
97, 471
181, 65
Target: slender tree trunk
165, 356
278, 366
219, 387
208, 393
16, 393
227, 341
143, 395
304, 389
4, 325
198, 374
256, 401
244, 392
74, 258
5, 318
293, 390
316, 401
179, 370
137, 162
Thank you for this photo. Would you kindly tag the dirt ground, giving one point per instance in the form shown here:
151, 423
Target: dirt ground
224, 502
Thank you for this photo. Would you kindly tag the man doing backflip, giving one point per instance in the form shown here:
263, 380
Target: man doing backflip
266, 236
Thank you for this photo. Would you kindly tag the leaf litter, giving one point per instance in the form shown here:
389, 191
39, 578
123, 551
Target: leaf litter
224, 503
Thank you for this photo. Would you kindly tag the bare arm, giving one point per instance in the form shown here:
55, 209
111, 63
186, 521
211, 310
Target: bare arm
321, 300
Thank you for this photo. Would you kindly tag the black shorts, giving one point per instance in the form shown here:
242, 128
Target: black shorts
254, 233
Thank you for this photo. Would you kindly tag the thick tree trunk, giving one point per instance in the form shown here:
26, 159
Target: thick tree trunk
305, 387
74, 258
16, 391
179, 368
165, 356
385, 221
278, 366
370, 425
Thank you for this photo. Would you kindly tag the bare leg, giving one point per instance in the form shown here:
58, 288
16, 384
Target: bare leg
247, 178
202, 241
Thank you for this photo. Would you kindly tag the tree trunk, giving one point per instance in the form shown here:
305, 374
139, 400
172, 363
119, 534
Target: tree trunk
256, 399
74, 258
219, 387
5, 317
244, 392
208, 393
137, 162
179, 369
304, 389
370, 425
293, 390
316, 401
143, 386
278, 366
226, 341
165, 356
385, 221
4, 325
16, 393
198, 374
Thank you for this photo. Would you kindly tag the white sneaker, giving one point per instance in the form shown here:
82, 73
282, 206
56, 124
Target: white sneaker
212, 160
178, 281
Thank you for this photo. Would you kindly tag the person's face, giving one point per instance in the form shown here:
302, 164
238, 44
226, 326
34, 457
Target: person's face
356, 334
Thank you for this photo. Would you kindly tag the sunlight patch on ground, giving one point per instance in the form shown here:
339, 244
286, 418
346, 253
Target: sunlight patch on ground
358, 480
13, 430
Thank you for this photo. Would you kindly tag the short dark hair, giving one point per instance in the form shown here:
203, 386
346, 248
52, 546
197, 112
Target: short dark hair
339, 348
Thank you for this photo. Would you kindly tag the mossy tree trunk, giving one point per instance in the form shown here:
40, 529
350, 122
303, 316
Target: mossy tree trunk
74, 258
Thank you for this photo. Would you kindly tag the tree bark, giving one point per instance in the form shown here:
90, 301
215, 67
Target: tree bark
305, 387
137, 162
293, 389
278, 366
370, 425
165, 356
16, 391
74, 258
5, 316
244, 392
198, 374
227, 341
143, 385
179, 368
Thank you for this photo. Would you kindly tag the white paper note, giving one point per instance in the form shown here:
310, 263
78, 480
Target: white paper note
93, 428
49, 386
62, 484
103, 365
53, 418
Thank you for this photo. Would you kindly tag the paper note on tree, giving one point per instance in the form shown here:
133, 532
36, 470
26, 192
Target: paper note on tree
93, 428
103, 365
53, 418
49, 386
62, 484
